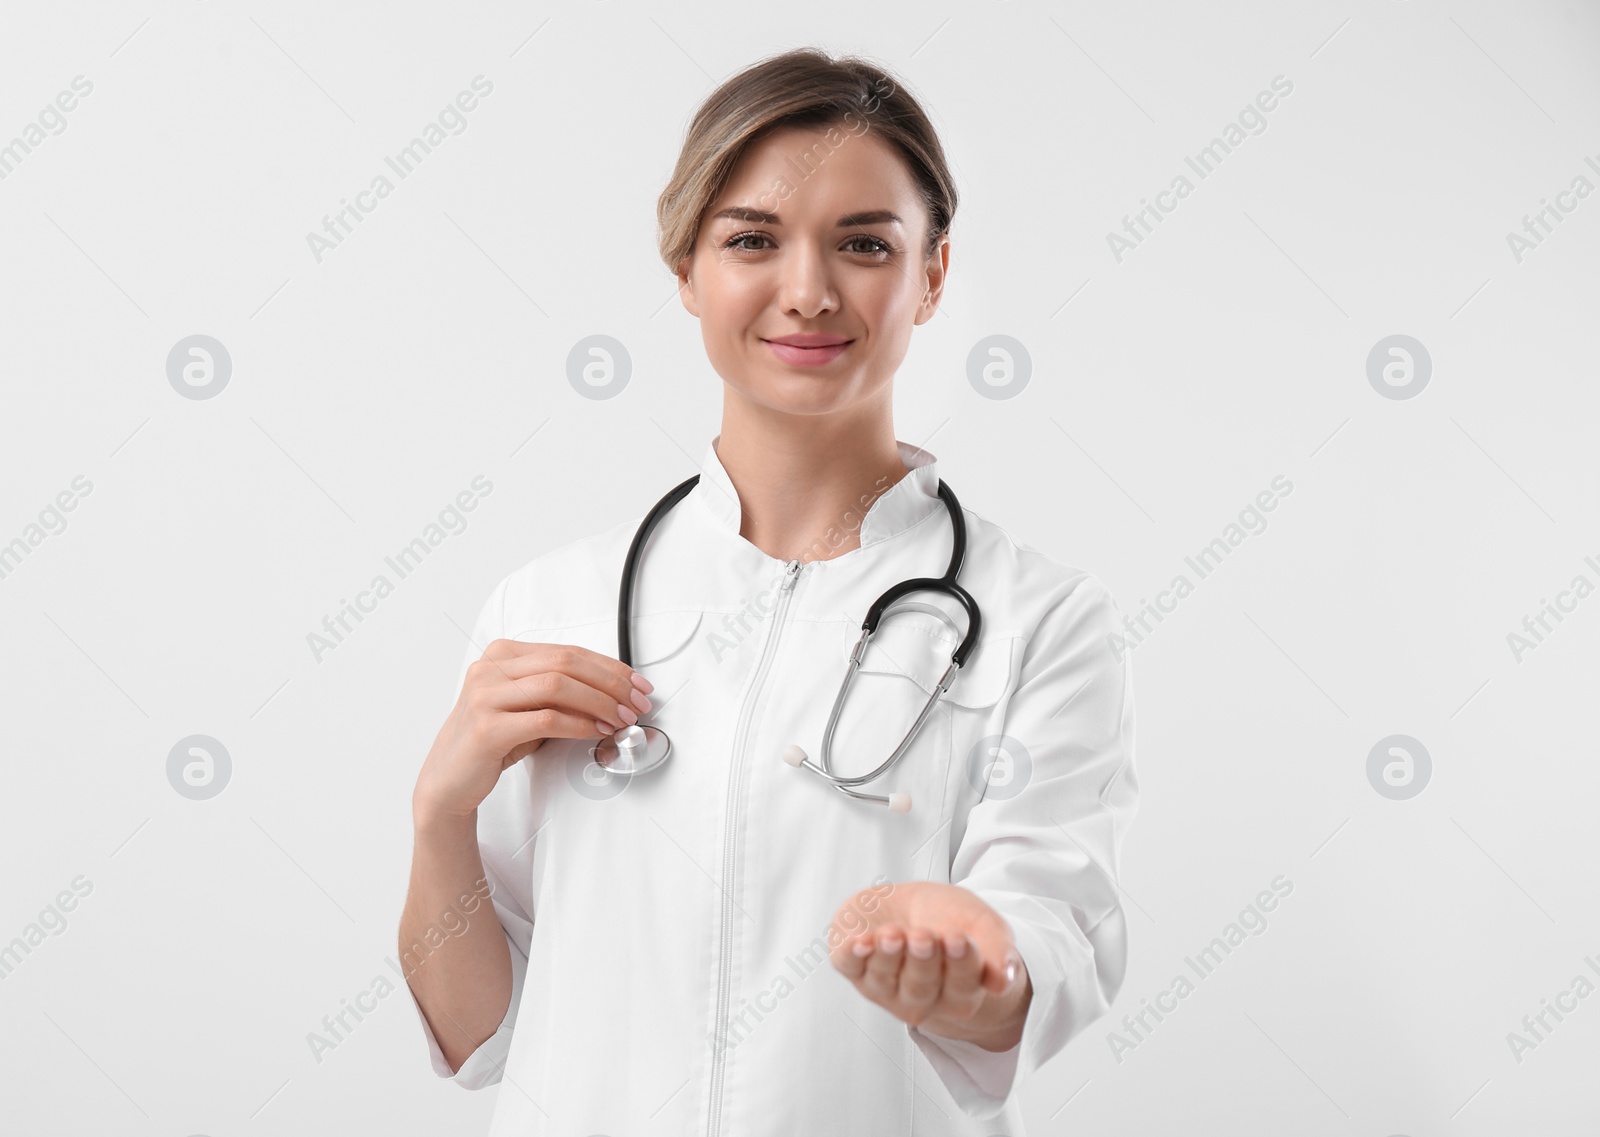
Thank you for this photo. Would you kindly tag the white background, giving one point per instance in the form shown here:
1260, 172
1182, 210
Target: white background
1167, 391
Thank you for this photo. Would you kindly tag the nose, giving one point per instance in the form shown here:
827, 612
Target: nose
806, 287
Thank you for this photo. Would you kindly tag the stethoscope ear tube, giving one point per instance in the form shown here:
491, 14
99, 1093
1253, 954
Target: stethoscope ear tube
640, 748
969, 642
630, 567
946, 584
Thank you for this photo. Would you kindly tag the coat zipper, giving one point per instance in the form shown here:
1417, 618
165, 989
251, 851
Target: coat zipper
724, 971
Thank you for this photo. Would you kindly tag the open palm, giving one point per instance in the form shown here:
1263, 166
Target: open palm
935, 956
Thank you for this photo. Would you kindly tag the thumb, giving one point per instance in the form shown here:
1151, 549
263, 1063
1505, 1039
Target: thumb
518, 752
1002, 964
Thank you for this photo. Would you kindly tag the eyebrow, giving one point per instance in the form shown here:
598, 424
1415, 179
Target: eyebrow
851, 220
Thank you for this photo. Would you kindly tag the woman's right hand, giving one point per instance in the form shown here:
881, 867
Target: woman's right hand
513, 698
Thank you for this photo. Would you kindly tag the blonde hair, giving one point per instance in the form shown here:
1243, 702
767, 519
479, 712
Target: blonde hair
800, 88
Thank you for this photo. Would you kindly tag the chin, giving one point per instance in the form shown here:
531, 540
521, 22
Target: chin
798, 395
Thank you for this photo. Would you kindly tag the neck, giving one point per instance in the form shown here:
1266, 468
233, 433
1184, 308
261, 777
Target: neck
806, 482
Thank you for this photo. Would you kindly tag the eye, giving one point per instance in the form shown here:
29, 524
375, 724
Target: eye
733, 242
876, 247
863, 244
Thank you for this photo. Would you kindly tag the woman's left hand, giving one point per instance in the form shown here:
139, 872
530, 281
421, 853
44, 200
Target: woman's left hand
935, 956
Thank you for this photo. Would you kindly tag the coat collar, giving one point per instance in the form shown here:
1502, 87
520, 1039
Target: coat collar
894, 511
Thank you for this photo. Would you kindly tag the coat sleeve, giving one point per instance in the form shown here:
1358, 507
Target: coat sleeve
502, 851
1044, 851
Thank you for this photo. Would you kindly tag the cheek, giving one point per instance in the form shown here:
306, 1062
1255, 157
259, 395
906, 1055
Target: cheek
730, 305
730, 316
889, 318
886, 301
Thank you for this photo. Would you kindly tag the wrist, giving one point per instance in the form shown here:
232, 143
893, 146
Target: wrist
434, 822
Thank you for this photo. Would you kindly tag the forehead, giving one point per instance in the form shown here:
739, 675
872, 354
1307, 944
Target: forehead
796, 170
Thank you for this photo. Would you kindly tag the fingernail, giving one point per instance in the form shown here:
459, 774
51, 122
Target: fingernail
956, 948
603, 727
862, 950
642, 683
1011, 974
640, 701
627, 714
922, 949
891, 946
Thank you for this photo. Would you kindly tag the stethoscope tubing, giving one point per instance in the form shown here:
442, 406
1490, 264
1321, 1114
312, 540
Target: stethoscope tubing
630, 566
946, 584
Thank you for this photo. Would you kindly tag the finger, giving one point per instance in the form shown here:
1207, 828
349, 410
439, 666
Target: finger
992, 936
525, 728
515, 659
851, 955
518, 752
963, 966
522, 749
881, 983
621, 700
922, 975
563, 692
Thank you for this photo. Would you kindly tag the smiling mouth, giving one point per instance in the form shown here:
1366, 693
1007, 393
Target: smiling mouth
807, 355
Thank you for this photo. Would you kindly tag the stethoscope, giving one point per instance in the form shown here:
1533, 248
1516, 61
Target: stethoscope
640, 748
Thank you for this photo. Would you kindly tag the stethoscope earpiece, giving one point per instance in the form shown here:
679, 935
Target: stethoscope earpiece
794, 754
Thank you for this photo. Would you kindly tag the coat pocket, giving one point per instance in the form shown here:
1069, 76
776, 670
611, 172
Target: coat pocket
918, 643
656, 635
916, 650
899, 672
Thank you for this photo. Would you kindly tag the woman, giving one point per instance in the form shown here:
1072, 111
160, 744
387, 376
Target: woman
728, 945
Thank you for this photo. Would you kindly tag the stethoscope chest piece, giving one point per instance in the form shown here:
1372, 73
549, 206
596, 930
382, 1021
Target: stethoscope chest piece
632, 750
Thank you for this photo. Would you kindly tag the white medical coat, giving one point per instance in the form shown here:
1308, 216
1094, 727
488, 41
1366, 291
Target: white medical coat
668, 933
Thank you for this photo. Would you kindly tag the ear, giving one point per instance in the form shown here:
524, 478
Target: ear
686, 289
937, 268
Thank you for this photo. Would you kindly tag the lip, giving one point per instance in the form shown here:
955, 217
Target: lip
808, 350
811, 339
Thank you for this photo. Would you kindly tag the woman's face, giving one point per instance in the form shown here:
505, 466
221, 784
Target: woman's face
834, 255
